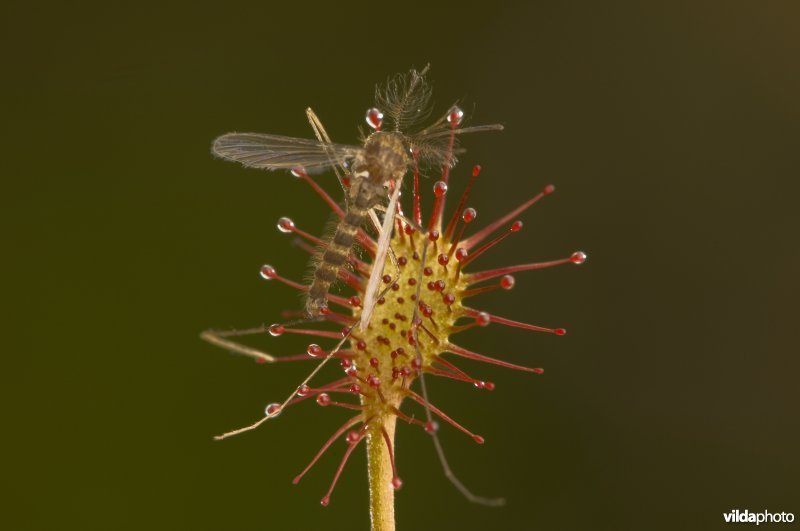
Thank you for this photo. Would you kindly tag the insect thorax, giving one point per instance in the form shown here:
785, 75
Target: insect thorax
385, 157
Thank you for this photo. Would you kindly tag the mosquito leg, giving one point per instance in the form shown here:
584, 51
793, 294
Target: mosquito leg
448, 472
322, 136
285, 403
220, 339
406, 220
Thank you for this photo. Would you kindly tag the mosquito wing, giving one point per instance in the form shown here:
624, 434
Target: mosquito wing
275, 152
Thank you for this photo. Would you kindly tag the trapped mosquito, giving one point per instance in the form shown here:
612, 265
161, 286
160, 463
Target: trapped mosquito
365, 172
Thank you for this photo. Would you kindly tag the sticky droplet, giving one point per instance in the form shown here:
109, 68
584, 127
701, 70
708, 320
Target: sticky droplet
578, 258
314, 350
374, 118
268, 272
324, 399
455, 115
285, 225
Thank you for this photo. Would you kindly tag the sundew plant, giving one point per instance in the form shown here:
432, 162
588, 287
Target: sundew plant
387, 335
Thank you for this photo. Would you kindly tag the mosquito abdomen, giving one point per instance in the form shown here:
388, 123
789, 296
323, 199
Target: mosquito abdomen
333, 258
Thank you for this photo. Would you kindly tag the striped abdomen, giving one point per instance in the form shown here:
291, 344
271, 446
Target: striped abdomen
333, 259
364, 195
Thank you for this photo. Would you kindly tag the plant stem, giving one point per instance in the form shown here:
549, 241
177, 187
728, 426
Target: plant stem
379, 466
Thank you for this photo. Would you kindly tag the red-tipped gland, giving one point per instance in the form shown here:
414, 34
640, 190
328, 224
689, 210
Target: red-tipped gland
461, 254
299, 171
460, 351
516, 324
325, 501
285, 225
507, 282
448, 298
440, 188
315, 351
374, 118
549, 189
492, 273
432, 427
489, 386
373, 381
346, 426
374, 362
355, 389
478, 439
324, 399
397, 483
386, 279
428, 271
361, 344
515, 227
578, 258
483, 319
303, 390
433, 235
273, 410
268, 272
353, 437
355, 301
442, 259
469, 215
454, 116
454, 219
479, 236
276, 330
346, 363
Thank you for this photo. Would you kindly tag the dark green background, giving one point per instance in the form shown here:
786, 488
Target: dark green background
671, 132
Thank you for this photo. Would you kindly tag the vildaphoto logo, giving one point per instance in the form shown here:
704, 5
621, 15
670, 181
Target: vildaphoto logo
746, 517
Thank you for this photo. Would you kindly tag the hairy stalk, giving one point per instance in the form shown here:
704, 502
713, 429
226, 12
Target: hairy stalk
379, 467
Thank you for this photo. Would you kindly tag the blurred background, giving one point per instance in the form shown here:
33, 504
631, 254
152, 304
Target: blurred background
670, 131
